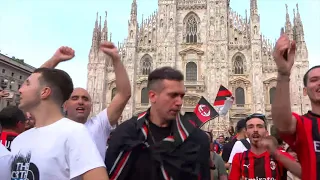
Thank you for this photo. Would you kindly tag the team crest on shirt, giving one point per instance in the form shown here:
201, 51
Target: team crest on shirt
272, 165
23, 169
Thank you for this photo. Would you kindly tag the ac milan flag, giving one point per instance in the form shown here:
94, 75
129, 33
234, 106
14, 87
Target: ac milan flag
222, 95
223, 101
204, 112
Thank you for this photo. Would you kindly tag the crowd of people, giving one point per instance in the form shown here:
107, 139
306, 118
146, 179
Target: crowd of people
40, 142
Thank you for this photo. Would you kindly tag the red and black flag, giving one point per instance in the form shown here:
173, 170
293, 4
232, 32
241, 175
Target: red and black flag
224, 101
222, 95
204, 111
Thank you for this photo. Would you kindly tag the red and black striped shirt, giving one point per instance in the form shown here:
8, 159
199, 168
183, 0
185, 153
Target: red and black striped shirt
6, 138
252, 166
306, 143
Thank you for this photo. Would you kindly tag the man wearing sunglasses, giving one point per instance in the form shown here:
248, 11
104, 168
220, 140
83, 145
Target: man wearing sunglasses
264, 160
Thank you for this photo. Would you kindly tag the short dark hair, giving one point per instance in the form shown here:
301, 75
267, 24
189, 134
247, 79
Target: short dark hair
306, 75
59, 81
10, 116
259, 116
241, 124
163, 73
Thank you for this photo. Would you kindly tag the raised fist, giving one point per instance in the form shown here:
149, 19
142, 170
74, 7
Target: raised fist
111, 50
270, 143
64, 53
283, 54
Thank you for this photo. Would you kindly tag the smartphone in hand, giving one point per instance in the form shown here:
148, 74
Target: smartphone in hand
8, 95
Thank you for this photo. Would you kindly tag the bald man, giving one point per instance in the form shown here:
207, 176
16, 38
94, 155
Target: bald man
79, 105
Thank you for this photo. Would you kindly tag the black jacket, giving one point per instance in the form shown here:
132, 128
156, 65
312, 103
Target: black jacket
184, 155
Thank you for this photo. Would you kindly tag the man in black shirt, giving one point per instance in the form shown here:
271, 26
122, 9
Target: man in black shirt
160, 143
241, 134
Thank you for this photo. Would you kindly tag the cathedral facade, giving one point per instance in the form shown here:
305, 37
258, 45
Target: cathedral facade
212, 45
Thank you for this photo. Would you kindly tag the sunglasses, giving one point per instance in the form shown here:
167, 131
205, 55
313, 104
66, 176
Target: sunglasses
257, 115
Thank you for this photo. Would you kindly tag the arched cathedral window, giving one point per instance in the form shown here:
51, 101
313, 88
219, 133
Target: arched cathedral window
113, 92
240, 96
272, 91
146, 65
191, 29
238, 65
191, 71
144, 96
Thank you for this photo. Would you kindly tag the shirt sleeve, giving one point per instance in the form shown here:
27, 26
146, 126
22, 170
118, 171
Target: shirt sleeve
102, 120
235, 172
292, 139
82, 153
220, 165
236, 149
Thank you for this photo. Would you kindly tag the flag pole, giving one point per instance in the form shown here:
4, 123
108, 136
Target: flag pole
218, 125
207, 121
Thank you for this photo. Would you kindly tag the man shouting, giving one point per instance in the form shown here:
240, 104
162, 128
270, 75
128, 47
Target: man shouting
79, 105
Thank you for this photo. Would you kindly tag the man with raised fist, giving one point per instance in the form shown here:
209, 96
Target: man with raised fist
301, 132
79, 105
56, 148
263, 160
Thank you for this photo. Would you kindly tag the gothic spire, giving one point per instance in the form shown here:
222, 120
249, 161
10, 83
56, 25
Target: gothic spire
253, 7
288, 26
133, 15
104, 32
298, 26
246, 16
95, 34
298, 13
96, 25
287, 16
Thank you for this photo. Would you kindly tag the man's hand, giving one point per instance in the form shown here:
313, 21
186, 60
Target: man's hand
269, 143
4, 94
64, 53
111, 50
284, 61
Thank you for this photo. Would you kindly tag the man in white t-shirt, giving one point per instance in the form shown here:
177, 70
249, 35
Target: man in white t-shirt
79, 105
5, 163
56, 148
239, 147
